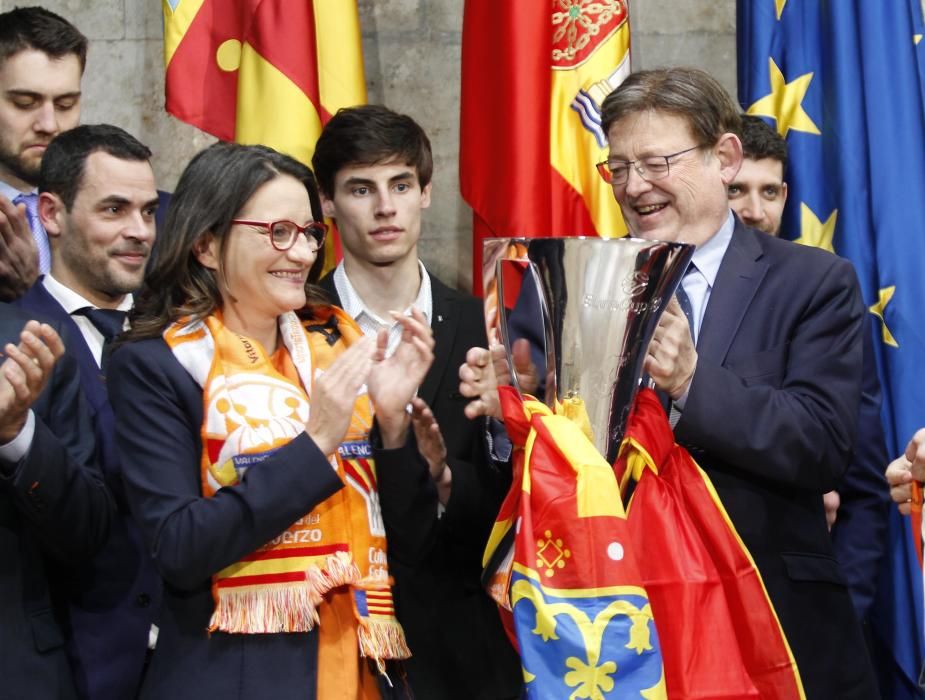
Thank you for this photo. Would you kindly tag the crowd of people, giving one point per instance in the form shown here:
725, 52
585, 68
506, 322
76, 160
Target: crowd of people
223, 475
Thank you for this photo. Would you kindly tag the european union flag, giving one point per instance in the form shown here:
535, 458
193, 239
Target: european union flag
843, 81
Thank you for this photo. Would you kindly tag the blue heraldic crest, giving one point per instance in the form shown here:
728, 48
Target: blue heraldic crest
594, 643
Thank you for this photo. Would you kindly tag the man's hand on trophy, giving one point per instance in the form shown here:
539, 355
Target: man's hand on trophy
528, 378
672, 356
477, 381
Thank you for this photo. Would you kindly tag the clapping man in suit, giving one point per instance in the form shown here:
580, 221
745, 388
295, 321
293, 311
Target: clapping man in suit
856, 511
374, 171
97, 204
766, 375
55, 510
42, 59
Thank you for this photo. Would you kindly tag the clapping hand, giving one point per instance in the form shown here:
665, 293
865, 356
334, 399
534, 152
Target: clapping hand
431, 446
394, 380
24, 374
19, 257
334, 394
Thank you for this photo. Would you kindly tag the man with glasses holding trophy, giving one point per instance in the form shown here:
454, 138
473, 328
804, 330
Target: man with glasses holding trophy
758, 358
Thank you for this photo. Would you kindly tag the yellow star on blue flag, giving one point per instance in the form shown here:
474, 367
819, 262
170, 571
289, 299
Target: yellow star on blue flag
852, 61
878, 309
813, 231
784, 103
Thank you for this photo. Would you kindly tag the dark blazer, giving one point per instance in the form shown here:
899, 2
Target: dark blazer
771, 415
859, 534
114, 596
55, 512
459, 649
159, 410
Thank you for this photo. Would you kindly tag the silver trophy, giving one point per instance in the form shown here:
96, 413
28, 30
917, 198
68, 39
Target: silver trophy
587, 308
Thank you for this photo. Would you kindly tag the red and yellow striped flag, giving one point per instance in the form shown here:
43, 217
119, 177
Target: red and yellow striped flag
263, 71
533, 80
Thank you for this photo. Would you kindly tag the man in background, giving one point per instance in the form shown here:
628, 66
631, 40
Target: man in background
374, 170
97, 204
758, 192
42, 60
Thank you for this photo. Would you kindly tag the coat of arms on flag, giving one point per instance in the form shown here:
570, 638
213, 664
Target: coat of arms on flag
582, 618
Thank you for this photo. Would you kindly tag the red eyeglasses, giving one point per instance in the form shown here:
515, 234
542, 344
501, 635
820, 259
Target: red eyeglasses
283, 234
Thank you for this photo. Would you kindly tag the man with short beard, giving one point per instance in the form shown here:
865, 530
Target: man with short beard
97, 202
42, 60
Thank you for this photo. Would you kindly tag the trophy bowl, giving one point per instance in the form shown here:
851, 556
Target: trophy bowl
587, 307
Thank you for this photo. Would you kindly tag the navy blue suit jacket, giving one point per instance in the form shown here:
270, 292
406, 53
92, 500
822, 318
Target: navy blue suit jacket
114, 597
55, 512
452, 626
771, 415
158, 432
859, 534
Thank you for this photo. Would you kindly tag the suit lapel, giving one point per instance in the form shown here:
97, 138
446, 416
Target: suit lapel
445, 322
740, 275
91, 380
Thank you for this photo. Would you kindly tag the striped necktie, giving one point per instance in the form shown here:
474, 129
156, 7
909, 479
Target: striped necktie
31, 201
684, 301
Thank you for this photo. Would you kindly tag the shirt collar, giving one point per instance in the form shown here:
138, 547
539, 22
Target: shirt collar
71, 301
709, 256
11, 192
353, 304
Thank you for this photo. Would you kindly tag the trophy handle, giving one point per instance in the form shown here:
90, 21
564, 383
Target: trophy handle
523, 316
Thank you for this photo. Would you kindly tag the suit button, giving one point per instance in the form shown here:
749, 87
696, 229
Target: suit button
143, 600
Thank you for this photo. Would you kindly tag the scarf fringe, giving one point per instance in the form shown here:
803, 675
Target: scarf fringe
266, 610
282, 608
339, 570
382, 639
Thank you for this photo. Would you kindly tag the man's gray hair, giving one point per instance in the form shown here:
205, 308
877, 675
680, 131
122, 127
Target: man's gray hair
689, 93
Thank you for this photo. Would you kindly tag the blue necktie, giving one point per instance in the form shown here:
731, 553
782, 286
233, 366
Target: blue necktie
684, 301
109, 322
31, 201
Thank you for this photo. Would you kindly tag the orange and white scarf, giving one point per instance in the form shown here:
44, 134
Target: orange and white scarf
254, 405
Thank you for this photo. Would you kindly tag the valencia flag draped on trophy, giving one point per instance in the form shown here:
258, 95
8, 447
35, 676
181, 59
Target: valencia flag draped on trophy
263, 71
533, 79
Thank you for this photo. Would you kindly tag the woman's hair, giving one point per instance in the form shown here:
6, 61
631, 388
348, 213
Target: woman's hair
213, 188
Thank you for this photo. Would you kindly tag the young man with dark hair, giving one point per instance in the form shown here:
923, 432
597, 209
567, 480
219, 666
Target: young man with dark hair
42, 59
97, 202
758, 192
374, 169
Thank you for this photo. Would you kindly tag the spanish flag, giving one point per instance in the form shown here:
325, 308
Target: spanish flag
263, 71
533, 80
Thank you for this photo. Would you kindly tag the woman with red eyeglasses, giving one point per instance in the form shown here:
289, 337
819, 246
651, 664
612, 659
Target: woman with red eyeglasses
255, 423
